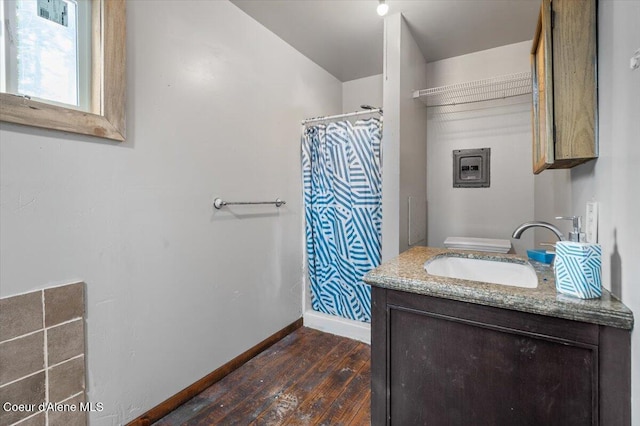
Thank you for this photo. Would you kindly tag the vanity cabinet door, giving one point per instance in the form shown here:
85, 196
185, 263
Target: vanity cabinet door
442, 362
563, 65
445, 371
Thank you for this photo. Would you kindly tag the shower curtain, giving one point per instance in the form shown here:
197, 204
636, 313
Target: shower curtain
342, 177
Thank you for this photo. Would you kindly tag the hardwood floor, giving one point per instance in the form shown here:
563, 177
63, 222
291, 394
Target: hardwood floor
307, 378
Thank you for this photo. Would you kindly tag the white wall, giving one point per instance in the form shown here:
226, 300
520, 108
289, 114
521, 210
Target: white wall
404, 139
612, 179
553, 199
363, 91
413, 147
391, 137
174, 288
503, 126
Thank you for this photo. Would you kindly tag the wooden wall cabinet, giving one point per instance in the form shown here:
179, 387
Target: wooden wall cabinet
442, 362
564, 74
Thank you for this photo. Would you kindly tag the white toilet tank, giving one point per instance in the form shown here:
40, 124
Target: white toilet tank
478, 244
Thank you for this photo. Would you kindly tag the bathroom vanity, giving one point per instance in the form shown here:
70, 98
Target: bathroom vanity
450, 351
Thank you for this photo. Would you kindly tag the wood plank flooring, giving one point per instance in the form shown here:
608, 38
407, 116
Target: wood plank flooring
307, 378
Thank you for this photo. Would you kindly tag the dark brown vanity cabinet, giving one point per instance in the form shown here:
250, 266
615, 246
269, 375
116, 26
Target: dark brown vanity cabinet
442, 362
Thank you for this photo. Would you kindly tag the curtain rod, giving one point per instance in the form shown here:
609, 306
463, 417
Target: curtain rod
348, 114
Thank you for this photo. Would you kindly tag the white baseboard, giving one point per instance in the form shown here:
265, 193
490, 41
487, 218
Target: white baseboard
356, 330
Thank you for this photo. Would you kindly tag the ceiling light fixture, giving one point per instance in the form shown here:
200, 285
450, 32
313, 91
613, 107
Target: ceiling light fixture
383, 8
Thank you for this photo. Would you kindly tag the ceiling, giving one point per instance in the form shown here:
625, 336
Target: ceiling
345, 37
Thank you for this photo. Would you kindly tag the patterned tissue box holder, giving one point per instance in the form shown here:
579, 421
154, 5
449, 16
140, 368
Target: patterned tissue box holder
578, 269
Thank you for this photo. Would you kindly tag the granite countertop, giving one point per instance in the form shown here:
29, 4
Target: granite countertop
406, 273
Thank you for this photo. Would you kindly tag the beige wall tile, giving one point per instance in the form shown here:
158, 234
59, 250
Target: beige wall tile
69, 418
20, 315
39, 419
21, 357
66, 379
65, 341
63, 303
26, 391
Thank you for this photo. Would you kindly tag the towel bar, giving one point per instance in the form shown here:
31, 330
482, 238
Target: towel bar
218, 203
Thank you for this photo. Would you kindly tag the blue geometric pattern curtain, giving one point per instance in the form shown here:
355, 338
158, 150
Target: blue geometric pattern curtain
343, 210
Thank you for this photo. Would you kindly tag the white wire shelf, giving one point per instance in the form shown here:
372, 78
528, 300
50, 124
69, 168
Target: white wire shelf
500, 87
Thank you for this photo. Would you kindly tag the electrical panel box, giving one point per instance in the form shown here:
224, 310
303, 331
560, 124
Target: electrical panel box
471, 168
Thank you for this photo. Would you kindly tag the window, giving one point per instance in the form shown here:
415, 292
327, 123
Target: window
47, 50
88, 102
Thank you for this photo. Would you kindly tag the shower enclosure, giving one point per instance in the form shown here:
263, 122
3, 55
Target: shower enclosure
342, 179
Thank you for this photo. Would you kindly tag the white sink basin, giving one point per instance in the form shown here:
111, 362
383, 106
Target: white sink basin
484, 270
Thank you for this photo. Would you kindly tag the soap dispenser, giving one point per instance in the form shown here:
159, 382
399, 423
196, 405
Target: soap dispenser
578, 264
576, 235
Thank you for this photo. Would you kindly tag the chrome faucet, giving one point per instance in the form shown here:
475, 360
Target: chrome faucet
520, 229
